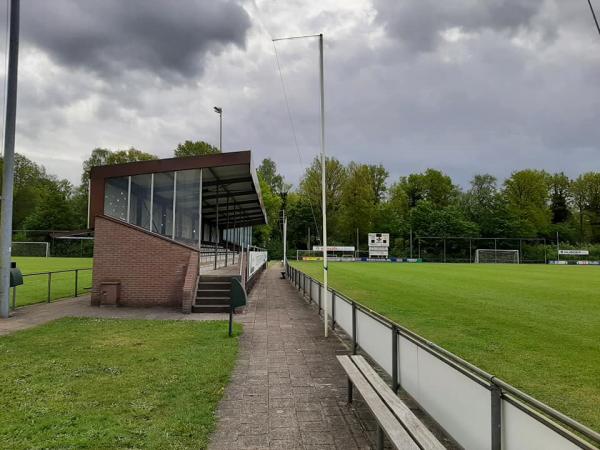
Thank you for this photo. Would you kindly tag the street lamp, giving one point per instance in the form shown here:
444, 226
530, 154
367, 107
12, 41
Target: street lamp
219, 111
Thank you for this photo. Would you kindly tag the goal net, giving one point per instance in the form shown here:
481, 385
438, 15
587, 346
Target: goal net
31, 249
484, 255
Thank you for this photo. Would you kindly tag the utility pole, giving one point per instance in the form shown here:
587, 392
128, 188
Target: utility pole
323, 171
357, 253
284, 240
323, 183
308, 240
8, 172
557, 247
411, 243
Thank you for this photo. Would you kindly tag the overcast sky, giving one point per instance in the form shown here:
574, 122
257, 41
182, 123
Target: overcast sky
465, 86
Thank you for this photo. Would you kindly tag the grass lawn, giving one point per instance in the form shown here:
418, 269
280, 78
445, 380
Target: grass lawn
98, 383
535, 326
35, 287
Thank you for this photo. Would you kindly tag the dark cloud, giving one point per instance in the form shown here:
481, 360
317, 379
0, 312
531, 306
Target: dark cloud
169, 39
419, 23
505, 96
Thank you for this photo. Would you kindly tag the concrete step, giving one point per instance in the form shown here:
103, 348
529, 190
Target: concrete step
204, 293
217, 285
212, 300
210, 308
215, 278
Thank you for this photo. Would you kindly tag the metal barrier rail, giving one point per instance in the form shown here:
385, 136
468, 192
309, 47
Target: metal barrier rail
49, 285
501, 394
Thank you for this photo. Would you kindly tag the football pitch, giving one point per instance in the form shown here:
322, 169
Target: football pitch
35, 287
534, 326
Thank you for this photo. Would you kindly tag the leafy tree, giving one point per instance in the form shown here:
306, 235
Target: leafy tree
357, 202
268, 172
272, 204
310, 186
28, 187
300, 219
560, 197
195, 148
54, 211
527, 195
377, 178
429, 220
432, 185
586, 195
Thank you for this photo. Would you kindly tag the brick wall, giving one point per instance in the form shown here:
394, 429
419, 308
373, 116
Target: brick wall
151, 269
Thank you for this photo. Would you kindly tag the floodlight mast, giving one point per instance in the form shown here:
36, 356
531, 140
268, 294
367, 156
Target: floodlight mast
9, 159
323, 171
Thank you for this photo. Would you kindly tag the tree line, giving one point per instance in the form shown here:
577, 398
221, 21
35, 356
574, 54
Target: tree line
361, 198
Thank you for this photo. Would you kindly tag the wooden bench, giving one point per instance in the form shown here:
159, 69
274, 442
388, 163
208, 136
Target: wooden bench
393, 416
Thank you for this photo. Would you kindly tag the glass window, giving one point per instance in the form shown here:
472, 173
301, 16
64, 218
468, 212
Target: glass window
115, 197
162, 206
186, 207
139, 205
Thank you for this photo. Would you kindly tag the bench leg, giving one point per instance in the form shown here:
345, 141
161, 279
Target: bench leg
379, 438
349, 391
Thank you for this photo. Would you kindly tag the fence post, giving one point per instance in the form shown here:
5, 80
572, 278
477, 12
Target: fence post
304, 285
76, 277
49, 285
354, 344
332, 309
496, 405
395, 384
320, 295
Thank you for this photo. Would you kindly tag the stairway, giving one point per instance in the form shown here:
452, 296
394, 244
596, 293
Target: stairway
214, 294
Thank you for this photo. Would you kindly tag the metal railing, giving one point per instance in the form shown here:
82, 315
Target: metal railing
40, 287
556, 431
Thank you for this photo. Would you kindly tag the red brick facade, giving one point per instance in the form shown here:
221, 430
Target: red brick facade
152, 270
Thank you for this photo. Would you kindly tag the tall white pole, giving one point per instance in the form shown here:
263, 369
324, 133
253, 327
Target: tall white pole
9, 159
323, 184
284, 240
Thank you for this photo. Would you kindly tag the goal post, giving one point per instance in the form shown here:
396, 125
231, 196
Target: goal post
495, 256
38, 249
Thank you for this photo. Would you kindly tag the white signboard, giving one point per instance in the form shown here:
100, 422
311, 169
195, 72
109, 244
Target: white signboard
573, 252
333, 248
379, 239
379, 244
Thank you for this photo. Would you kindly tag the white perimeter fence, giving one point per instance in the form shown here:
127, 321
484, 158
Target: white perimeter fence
256, 259
478, 410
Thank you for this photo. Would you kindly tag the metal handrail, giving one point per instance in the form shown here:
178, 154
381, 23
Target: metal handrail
49, 284
480, 373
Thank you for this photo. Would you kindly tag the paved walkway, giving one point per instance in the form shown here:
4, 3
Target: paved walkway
288, 390
31, 316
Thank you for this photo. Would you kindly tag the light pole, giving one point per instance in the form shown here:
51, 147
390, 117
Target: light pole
219, 111
6, 215
323, 171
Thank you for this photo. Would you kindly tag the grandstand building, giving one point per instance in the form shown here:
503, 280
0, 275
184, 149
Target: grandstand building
161, 226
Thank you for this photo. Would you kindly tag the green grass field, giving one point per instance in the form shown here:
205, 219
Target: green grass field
535, 326
35, 287
97, 383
